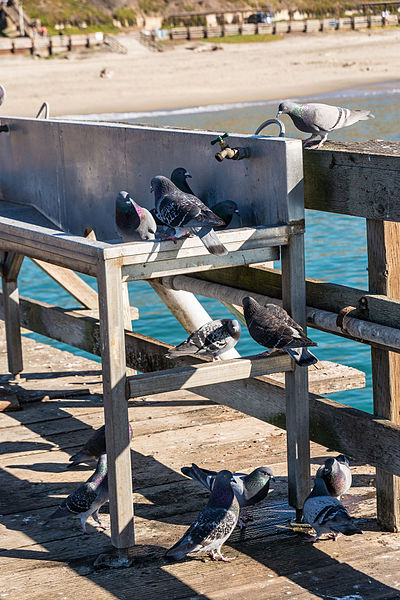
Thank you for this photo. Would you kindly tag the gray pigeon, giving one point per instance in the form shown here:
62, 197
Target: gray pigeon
211, 339
181, 210
248, 489
213, 525
336, 474
327, 514
95, 446
271, 326
3, 94
134, 222
225, 210
320, 119
179, 177
88, 498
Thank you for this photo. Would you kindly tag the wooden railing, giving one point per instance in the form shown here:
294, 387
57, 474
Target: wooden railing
361, 180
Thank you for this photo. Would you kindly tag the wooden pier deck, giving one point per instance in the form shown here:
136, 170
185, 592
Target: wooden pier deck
40, 561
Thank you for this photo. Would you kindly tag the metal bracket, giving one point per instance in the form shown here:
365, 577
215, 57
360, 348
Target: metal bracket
281, 126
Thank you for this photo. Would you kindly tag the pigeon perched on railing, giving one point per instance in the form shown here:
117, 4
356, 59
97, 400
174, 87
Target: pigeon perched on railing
211, 339
213, 525
249, 489
179, 177
271, 326
186, 212
88, 498
321, 119
225, 210
336, 474
95, 446
327, 514
3, 94
134, 222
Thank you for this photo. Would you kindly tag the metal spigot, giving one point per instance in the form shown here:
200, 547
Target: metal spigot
227, 151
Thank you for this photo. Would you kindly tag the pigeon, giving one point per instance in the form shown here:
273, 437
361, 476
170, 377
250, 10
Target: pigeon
134, 222
327, 514
95, 446
225, 210
213, 525
211, 339
248, 489
3, 94
271, 326
320, 119
88, 498
336, 474
185, 211
179, 178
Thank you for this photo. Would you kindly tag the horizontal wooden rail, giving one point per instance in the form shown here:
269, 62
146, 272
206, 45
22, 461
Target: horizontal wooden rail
379, 336
348, 430
320, 294
361, 179
189, 377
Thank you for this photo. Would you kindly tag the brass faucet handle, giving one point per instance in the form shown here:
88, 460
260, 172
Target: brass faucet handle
220, 140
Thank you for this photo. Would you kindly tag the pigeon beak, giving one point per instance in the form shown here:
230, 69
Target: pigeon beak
236, 212
272, 478
187, 174
151, 189
278, 114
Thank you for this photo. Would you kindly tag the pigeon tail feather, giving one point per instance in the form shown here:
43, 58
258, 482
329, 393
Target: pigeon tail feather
80, 457
205, 477
211, 241
302, 356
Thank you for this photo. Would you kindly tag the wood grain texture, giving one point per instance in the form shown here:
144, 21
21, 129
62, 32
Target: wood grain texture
11, 268
383, 276
115, 404
296, 381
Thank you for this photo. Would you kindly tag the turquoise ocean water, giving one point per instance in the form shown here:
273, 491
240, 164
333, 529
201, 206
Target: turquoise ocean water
335, 244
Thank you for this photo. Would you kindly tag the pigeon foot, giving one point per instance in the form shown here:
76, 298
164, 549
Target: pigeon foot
217, 555
333, 536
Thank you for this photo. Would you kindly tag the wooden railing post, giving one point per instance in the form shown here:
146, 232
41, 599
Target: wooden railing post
383, 272
11, 267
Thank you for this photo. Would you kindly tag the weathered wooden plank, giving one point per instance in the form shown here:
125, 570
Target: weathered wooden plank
11, 268
354, 178
296, 381
71, 283
217, 372
383, 242
115, 405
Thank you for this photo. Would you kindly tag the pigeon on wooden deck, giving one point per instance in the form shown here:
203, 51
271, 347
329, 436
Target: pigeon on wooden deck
213, 525
134, 222
320, 119
184, 211
3, 94
337, 475
95, 446
271, 326
179, 177
249, 489
88, 498
225, 210
327, 514
211, 339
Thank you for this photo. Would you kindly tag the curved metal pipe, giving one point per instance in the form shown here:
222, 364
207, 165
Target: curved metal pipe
281, 126
44, 108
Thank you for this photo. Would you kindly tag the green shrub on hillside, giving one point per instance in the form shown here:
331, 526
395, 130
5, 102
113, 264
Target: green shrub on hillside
125, 14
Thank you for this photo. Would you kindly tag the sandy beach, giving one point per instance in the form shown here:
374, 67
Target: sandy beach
298, 65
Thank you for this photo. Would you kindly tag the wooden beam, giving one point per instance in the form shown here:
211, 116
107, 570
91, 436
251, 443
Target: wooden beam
11, 268
189, 377
379, 336
348, 430
354, 178
113, 362
71, 283
383, 240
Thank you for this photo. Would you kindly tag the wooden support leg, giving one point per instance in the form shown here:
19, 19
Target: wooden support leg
383, 273
297, 410
11, 267
115, 404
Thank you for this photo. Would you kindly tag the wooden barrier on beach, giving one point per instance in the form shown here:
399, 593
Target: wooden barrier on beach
49, 45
